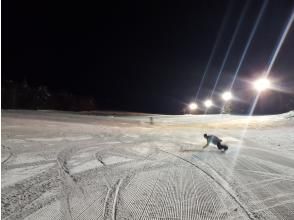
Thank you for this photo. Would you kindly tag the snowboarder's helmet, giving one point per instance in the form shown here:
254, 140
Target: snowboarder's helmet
205, 135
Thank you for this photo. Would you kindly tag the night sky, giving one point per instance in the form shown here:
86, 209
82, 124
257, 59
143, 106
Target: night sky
146, 56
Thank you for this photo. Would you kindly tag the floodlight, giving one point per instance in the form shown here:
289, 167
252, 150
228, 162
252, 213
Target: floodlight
261, 84
208, 103
193, 106
227, 96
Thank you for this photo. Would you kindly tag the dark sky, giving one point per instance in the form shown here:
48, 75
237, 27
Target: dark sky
146, 56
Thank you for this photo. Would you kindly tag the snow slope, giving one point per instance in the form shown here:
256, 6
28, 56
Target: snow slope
58, 165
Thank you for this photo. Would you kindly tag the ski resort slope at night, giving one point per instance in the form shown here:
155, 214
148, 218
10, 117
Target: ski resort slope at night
58, 165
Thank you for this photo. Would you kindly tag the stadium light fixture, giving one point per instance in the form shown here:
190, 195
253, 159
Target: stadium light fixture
193, 106
226, 96
261, 84
208, 103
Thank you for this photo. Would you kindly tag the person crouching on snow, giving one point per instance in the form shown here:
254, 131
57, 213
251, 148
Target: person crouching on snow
215, 140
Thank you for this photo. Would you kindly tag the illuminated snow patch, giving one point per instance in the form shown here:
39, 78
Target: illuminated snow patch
15, 141
18, 174
92, 164
27, 158
76, 138
115, 159
228, 139
52, 210
141, 150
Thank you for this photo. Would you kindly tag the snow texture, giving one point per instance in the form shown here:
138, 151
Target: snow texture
58, 165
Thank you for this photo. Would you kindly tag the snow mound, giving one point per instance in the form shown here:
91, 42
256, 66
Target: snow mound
289, 115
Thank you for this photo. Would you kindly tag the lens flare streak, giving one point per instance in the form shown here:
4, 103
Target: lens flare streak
275, 54
220, 32
279, 45
230, 46
263, 7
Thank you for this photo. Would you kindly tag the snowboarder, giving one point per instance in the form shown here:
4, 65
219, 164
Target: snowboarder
215, 140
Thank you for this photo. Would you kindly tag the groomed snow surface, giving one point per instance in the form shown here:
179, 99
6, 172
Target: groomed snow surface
59, 165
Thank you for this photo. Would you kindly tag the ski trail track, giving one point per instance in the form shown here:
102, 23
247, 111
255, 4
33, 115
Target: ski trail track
260, 183
213, 175
10, 154
140, 171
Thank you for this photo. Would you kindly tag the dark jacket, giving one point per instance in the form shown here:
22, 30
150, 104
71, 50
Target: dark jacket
213, 139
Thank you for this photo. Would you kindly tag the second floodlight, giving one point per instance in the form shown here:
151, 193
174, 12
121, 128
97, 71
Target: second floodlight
261, 84
208, 103
193, 106
227, 96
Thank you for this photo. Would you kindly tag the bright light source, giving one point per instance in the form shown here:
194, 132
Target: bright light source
227, 96
193, 106
208, 103
261, 84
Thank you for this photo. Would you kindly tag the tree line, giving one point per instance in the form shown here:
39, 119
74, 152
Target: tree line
17, 95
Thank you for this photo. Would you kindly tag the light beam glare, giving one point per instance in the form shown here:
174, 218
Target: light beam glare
274, 56
253, 31
261, 84
279, 45
275, 53
220, 32
226, 96
208, 103
193, 106
230, 45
